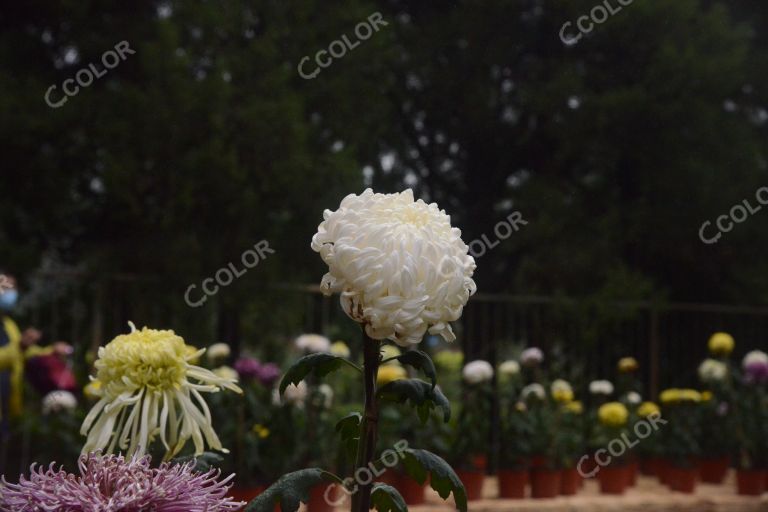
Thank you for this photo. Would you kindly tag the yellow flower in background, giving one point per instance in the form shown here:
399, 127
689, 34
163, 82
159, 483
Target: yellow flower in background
613, 414
449, 360
390, 351
260, 430
150, 389
340, 349
561, 391
706, 396
628, 365
647, 409
521, 407
389, 373
721, 344
226, 373
576, 407
92, 390
670, 396
690, 395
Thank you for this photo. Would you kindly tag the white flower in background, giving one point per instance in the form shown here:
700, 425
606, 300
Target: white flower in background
509, 368
59, 401
149, 389
313, 343
600, 387
326, 392
561, 386
477, 372
532, 356
217, 352
756, 357
226, 373
712, 370
535, 390
634, 398
400, 267
293, 395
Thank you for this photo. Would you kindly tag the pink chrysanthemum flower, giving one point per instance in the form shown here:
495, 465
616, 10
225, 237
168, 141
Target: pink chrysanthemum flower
112, 483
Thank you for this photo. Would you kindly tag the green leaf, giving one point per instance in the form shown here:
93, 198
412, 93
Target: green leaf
321, 364
420, 361
349, 429
203, 462
385, 498
419, 393
419, 463
290, 490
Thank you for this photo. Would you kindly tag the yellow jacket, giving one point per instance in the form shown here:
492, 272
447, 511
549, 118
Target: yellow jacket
12, 359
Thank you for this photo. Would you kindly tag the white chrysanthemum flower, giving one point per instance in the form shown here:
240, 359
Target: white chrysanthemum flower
755, 357
509, 368
634, 398
600, 387
226, 373
149, 389
218, 352
476, 372
59, 401
326, 392
400, 267
313, 343
561, 386
535, 390
293, 395
712, 370
532, 356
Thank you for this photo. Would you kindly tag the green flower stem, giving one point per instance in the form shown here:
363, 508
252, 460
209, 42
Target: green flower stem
366, 448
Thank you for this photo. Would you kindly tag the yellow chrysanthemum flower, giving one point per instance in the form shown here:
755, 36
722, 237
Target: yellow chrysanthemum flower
561, 391
340, 349
150, 389
576, 407
706, 396
690, 395
449, 360
647, 409
390, 351
261, 431
627, 364
721, 344
389, 373
613, 414
670, 396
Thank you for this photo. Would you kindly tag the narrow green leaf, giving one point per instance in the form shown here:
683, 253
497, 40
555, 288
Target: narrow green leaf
419, 360
321, 364
420, 395
385, 498
420, 463
290, 490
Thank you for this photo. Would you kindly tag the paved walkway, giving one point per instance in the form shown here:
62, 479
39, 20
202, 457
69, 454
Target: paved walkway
647, 496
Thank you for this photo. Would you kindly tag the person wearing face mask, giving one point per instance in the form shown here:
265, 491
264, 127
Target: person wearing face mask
15, 348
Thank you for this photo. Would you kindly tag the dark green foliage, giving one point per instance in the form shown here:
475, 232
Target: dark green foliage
385, 498
420, 394
320, 364
290, 490
421, 463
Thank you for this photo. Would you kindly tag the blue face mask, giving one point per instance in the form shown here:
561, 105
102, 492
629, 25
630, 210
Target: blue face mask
8, 299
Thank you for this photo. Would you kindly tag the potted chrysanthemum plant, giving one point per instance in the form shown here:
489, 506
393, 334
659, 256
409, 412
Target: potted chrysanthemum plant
612, 418
715, 434
401, 271
752, 424
679, 438
149, 401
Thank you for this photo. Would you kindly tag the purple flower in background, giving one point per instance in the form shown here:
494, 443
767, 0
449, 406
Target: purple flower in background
247, 368
755, 366
268, 373
111, 483
722, 408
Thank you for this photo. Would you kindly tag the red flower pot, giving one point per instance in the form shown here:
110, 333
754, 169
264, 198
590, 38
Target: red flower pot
750, 482
412, 491
538, 461
682, 479
323, 500
663, 471
479, 462
512, 483
473, 483
632, 469
650, 466
389, 477
613, 479
713, 470
545, 483
569, 482
246, 493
